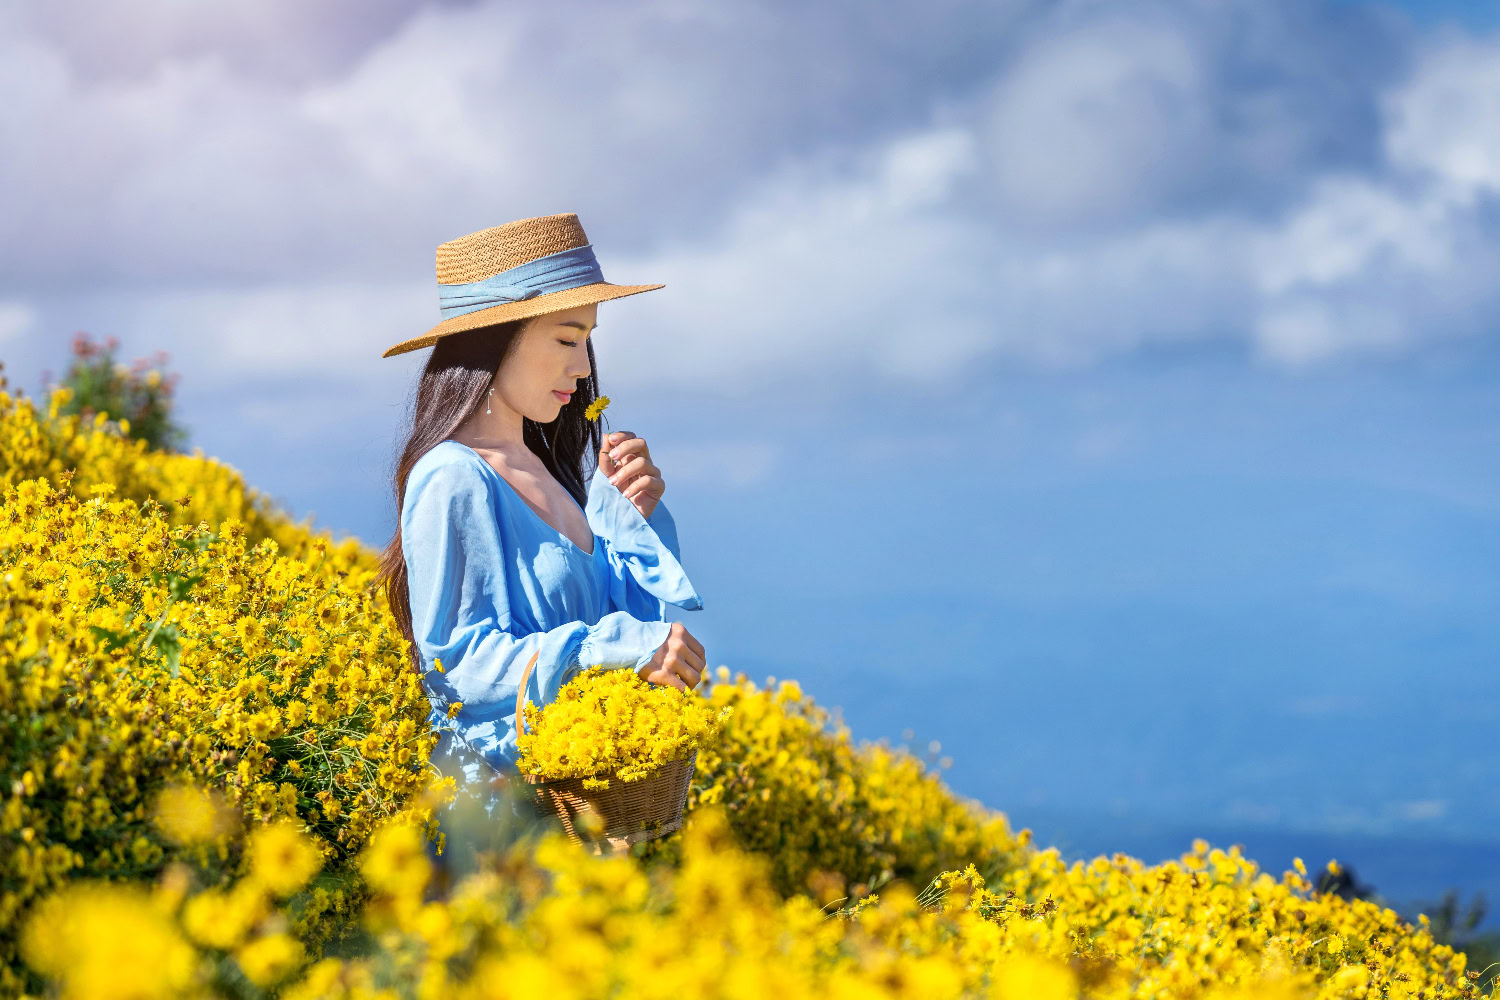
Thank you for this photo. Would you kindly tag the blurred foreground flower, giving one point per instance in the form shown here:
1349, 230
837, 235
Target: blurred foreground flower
101, 941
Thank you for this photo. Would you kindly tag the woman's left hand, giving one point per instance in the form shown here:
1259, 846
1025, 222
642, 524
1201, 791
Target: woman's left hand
626, 460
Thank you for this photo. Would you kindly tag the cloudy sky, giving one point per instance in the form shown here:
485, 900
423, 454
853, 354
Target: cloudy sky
1106, 392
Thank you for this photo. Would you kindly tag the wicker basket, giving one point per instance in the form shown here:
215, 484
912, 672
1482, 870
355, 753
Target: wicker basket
632, 811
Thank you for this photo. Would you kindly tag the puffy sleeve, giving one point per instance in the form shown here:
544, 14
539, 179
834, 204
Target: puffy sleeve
461, 615
645, 565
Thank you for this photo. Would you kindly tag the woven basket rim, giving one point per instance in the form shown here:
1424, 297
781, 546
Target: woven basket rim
537, 779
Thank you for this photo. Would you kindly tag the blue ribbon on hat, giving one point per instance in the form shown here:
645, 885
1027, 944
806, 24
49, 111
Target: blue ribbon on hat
555, 272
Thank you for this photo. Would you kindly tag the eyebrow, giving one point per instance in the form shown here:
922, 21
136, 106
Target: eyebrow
576, 324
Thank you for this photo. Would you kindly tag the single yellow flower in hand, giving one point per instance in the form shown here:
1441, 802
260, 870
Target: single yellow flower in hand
592, 411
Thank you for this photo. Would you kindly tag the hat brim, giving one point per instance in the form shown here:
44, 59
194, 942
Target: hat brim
568, 298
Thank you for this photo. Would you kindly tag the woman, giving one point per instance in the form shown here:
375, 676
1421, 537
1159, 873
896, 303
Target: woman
500, 550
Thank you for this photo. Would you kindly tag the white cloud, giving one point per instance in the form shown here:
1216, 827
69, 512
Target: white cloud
1298, 333
287, 40
1419, 810
1095, 119
222, 148
921, 169
1445, 124
16, 320
819, 274
1342, 230
337, 327
820, 271
276, 223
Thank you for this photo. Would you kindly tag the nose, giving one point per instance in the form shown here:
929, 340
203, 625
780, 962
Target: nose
581, 369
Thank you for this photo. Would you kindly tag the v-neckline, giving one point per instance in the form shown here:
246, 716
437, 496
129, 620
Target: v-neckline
522, 501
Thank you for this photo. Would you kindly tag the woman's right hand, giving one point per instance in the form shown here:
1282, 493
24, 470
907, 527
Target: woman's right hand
678, 662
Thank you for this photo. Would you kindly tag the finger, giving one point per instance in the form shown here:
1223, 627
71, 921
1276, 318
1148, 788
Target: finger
693, 644
643, 484
679, 672
625, 451
629, 470
687, 669
617, 459
692, 657
676, 681
617, 444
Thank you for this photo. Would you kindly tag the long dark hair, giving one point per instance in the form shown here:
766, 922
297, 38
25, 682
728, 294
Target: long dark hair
454, 385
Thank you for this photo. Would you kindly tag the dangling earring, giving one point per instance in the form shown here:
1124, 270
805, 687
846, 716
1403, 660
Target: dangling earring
487, 401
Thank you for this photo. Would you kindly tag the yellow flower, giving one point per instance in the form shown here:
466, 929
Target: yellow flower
222, 920
1029, 977
190, 815
80, 591
268, 960
1350, 977
395, 862
252, 632
592, 411
283, 858
610, 723
264, 725
103, 941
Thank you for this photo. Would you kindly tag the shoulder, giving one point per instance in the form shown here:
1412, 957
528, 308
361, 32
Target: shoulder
445, 470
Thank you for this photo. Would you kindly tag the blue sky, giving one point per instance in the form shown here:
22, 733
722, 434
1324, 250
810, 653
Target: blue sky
1105, 392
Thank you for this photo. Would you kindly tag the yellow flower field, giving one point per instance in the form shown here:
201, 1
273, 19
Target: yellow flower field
215, 784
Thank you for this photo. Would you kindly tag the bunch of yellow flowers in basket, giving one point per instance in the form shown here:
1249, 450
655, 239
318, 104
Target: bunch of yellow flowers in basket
610, 722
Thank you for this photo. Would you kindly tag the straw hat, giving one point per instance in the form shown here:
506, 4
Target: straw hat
523, 268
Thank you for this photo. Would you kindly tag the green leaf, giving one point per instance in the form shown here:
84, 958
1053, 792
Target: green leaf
167, 641
112, 640
178, 586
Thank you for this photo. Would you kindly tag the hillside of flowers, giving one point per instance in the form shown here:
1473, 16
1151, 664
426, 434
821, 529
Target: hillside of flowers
216, 784
190, 487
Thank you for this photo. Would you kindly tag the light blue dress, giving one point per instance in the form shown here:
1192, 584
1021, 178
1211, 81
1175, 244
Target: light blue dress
491, 583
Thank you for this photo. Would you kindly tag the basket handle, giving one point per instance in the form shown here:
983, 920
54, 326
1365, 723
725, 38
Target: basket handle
521, 693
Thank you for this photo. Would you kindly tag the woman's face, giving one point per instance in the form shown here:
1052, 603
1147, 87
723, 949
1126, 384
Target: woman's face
550, 353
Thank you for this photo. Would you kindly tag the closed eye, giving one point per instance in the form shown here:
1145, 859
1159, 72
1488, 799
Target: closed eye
568, 343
